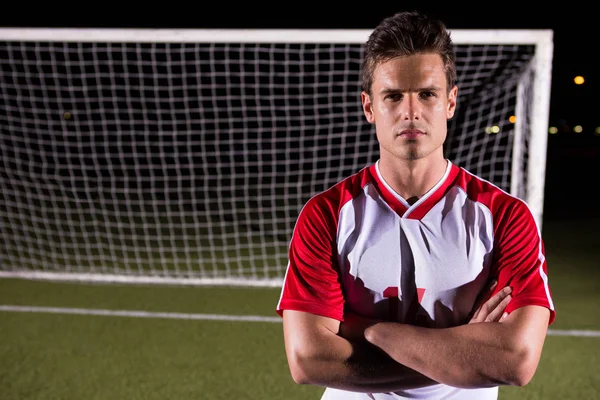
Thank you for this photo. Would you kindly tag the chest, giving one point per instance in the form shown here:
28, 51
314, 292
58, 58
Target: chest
429, 270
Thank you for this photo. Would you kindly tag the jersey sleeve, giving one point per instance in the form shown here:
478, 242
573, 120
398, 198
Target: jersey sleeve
311, 281
520, 260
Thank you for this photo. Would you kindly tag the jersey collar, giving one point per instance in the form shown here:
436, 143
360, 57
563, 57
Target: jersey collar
420, 208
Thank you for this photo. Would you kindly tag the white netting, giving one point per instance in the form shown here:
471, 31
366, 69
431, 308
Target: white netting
189, 162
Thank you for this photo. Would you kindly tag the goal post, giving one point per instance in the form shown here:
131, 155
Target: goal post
183, 156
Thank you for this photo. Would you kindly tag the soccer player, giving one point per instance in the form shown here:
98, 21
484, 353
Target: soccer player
386, 268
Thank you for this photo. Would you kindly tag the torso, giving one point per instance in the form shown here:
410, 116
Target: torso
360, 247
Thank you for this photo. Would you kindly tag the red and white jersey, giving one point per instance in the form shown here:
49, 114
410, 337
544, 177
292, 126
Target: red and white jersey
359, 246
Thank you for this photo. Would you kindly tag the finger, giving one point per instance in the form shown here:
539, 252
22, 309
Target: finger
490, 305
493, 302
483, 297
476, 313
496, 314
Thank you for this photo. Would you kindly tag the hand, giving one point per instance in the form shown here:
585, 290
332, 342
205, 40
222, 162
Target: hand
491, 309
354, 325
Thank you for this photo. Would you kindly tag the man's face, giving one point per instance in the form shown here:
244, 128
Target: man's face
410, 106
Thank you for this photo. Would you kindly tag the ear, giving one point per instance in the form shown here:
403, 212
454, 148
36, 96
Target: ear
367, 106
452, 102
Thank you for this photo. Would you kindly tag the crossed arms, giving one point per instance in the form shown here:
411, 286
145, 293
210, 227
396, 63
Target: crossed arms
376, 356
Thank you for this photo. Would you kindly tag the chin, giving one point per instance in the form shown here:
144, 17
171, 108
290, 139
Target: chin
412, 155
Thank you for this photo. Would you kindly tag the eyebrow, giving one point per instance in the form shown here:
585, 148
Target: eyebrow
432, 88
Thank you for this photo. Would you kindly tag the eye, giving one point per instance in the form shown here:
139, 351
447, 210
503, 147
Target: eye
427, 95
394, 96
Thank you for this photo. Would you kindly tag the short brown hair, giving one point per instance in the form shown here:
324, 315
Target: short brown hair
406, 33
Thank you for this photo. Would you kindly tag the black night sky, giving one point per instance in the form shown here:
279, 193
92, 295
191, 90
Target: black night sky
572, 159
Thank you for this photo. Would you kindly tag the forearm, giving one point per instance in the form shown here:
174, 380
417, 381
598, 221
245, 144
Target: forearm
467, 356
354, 366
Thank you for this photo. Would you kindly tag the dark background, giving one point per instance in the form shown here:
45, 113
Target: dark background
573, 158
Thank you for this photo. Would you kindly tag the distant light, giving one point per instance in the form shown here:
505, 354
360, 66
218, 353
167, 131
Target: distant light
512, 119
577, 128
553, 130
492, 129
579, 80
597, 131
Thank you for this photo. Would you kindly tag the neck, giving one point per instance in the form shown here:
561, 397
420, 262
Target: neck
411, 179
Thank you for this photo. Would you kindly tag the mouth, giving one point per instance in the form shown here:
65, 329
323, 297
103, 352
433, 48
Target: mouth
411, 133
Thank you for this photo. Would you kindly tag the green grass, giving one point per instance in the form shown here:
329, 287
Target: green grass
87, 357
568, 369
74, 357
54, 356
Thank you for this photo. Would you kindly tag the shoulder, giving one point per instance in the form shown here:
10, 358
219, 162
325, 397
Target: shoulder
328, 203
504, 207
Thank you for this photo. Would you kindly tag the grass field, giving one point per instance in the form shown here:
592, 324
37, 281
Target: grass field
208, 342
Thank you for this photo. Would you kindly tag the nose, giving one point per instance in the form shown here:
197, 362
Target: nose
411, 108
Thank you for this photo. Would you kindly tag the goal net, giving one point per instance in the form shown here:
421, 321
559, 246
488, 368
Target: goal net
185, 156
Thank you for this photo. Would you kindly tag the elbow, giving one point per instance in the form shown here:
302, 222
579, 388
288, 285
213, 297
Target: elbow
300, 369
299, 374
523, 369
523, 375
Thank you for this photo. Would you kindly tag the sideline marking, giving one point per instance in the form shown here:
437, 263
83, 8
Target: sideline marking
213, 317
138, 314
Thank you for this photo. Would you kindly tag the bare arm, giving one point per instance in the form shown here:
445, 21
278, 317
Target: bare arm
469, 356
318, 355
322, 351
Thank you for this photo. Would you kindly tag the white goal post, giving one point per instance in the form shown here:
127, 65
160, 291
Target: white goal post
183, 156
